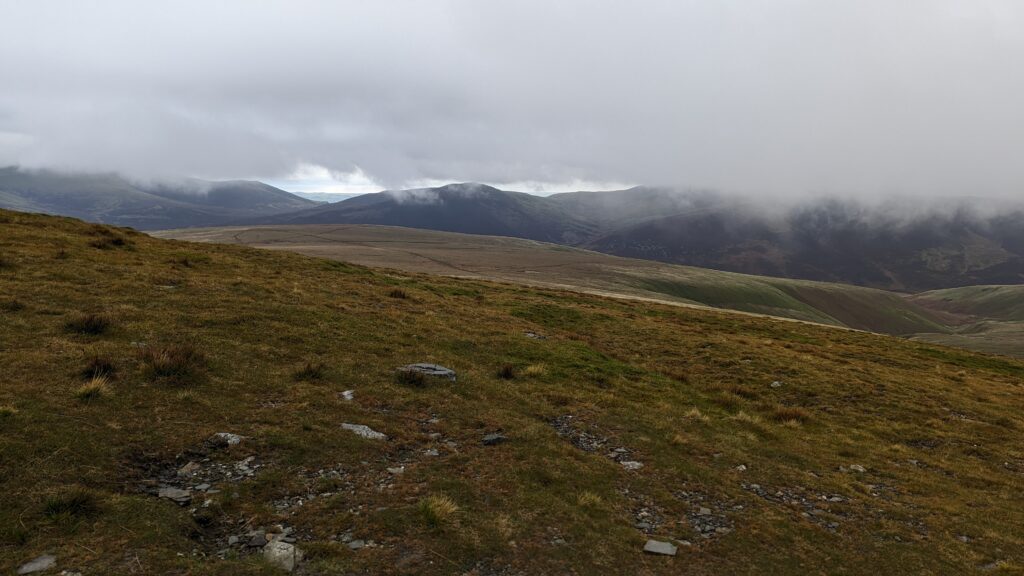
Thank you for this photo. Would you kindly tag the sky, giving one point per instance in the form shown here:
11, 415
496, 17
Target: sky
868, 97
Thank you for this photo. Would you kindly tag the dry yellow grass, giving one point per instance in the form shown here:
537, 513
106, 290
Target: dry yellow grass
684, 392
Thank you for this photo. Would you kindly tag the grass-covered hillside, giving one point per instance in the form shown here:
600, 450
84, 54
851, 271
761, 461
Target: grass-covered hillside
752, 445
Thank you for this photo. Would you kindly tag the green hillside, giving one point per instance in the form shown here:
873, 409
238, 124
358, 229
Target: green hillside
578, 428
994, 302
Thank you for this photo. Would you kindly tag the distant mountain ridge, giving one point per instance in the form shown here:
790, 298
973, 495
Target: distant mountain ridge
112, 199
893, 245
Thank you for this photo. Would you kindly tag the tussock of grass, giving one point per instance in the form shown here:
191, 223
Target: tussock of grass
399, 294
786, 414
73, 504
11, 306
5, 262
507, 372
588, 499
695, 414
178, 364
91, 324
97, 387
312, 371
535, 370
108, 239
8, 411
438, 510
99, 366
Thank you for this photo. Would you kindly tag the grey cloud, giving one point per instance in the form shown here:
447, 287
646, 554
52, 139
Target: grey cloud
858, 96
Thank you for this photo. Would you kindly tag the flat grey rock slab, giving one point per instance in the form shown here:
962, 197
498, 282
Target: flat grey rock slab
177, 494
435, 370
493, 439
226, 439
40, 564
283, 555
660, 548
364, 431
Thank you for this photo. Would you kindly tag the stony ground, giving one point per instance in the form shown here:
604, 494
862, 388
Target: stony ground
174, 408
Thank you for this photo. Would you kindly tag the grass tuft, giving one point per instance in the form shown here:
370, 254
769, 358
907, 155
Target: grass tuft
399, 294
91, 324
588, 499
74, 504
312, 371
7, 411
507, 372
99, 367
438, 510
177, 364
11, 306
787, 414
535, 370
96, 388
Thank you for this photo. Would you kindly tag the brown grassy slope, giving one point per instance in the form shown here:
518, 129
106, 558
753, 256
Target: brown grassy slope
549, 265
686, 392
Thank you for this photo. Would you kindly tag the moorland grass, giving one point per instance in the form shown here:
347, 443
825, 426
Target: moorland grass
685, 392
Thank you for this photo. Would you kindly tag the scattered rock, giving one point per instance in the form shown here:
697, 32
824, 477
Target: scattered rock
776, 384
189, 469
364, 431
348, 395
741, 468
258, 540
356, 544
283, 555
660, 548
396, 470
857, 468
430, 370
494, 438
631, 464
226, 439
176, 494
535, 336
431, 452
44, 562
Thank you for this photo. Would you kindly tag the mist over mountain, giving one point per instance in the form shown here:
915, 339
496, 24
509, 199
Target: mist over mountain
907, 245
114, 199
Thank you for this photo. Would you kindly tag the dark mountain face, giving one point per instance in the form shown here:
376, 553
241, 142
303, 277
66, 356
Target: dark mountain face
110, 199
893, 246
466, 208
836, 241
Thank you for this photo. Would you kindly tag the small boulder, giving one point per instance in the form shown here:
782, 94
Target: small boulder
495, 438
660, 548
189, 469
176, 494
283, 555
631, 464
364, 431
857, 468
226, 439
435, 370
40, 564
348, 395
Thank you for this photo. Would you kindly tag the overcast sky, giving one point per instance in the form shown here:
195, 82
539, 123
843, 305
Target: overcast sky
793, 96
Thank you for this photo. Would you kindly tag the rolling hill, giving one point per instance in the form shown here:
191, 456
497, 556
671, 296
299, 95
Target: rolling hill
548, 265
173, 407
109, 198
